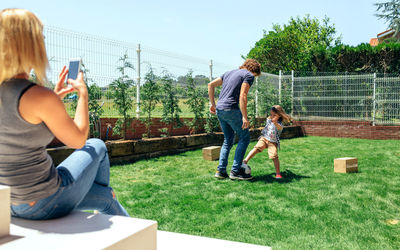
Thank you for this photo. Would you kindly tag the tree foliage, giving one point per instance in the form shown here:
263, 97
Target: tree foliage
289, 47
384, 58
390, 12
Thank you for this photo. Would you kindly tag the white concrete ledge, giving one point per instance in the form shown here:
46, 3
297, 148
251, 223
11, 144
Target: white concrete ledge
82, 231
177, 241
4, 211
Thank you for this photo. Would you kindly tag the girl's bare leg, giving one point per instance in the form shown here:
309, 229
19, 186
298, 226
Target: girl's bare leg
277, 166
252, 153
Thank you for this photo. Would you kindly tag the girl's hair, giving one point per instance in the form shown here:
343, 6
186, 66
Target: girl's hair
284, 118
22, 46
252, 65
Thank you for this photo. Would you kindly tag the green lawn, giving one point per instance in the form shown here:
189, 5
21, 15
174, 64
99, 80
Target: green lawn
313, 207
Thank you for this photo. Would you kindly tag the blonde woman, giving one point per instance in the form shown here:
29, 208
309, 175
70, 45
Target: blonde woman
270, 137
30, 117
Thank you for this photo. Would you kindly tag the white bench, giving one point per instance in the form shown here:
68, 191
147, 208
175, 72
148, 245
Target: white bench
81, 230
177, 241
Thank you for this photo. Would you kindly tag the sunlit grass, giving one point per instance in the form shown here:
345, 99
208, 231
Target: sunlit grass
313, 207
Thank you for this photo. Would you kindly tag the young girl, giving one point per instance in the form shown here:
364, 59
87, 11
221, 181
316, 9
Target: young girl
270, 137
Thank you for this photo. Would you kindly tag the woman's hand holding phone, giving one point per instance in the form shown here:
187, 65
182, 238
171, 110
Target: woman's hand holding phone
60, 89
79, 84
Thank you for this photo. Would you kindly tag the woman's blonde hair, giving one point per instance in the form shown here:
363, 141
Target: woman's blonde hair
22, 46
285, 118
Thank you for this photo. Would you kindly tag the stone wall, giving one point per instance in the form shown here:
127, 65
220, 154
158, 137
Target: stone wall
123, 151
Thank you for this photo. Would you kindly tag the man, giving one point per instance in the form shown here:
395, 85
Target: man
232, 115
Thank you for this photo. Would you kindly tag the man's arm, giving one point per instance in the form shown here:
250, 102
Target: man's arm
211, 92
244, 90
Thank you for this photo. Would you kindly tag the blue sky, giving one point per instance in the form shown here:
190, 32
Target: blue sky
219, 30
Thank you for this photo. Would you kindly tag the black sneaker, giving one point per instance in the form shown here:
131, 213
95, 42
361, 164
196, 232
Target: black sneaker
240, 176
221, 175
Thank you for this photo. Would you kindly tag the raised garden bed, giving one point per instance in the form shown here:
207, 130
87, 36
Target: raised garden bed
123, 151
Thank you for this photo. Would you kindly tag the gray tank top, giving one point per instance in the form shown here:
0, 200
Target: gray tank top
25, 165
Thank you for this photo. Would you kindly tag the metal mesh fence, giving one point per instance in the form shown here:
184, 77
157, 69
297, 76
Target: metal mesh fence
101, 59
305, 95
333, 96
387, 96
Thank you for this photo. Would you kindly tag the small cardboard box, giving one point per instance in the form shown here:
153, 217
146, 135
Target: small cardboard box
345, 165
5, 216
211, 153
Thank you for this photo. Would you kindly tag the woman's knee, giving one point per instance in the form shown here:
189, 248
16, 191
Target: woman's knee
98, 145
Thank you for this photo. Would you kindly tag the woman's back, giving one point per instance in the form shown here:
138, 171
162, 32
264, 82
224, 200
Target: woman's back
25, 165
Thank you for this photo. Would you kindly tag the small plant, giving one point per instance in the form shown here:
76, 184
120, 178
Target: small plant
169, 100
252, 114
95, 108
164, 132
212, 123
122, 94
149, 98
196, 103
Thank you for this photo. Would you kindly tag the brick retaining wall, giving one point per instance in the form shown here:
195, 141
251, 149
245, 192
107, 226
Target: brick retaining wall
350, 129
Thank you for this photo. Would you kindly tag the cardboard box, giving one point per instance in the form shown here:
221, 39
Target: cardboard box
211, 153
5, 215
346, 165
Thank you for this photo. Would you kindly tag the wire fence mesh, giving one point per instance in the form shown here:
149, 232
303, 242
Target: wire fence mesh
305, 95
333, 96
101, 59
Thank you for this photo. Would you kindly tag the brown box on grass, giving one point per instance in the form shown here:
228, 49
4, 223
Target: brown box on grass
345, 165
211, 153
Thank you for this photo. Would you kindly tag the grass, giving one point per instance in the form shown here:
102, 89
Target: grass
313, 207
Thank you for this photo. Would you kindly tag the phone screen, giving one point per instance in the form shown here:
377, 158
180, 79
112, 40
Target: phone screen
73, 70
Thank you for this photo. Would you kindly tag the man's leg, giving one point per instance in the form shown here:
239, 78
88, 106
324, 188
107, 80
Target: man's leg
244, 139
229, 136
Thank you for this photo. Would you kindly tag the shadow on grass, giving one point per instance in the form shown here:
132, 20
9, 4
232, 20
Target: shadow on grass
288, 176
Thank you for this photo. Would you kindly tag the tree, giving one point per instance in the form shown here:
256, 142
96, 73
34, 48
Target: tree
169, 100
390, 12
122, 94
289, 47
149, 98
196, 103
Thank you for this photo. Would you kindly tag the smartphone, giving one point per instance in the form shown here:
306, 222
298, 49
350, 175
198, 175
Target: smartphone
74, 68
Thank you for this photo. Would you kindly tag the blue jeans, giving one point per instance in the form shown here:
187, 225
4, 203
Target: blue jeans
231, 122
85, 185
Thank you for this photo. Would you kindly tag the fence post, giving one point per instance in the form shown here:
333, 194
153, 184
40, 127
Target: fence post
374, 102
138, 82
256, 97
280, 87
211, 70
291, 112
